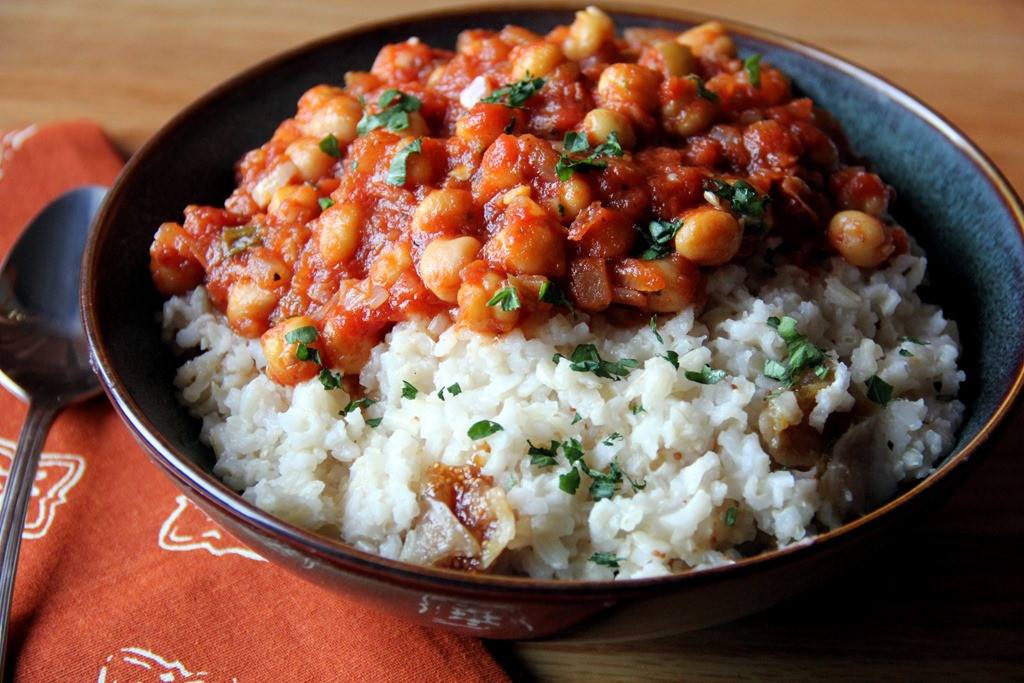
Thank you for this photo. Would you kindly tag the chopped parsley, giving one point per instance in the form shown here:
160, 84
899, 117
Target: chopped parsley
240, 237
878, 390
906, 338
329, 380
550, 294
483, 428
659, 236
357, 404
395, 107
752, 65
453, 389
606, 560
396, 172
906, 353
329, 146
653, 324
542, 456
730, 516
672, 357
612, 438
516, 94
374, 422
409, 391
325, 203
701, 90
637, 408
302, 337
570, 481
507, 298
802, 354
576, 145
585, 358
706, 375
744, 201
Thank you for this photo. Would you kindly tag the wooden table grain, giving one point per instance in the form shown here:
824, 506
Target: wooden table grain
946, 603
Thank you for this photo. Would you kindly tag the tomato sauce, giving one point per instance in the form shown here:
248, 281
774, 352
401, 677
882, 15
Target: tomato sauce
516, 177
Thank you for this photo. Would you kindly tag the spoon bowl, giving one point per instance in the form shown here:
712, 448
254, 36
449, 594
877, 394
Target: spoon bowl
44, 356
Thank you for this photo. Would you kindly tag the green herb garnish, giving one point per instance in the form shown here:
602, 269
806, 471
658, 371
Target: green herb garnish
453, 389
325, 203
659, 237
701, 90
730, 516
878, 390
606, 560
483, 428
706, 375
585, 358
550, 294
802, 354
516, 94
507, 298
395, 107
329, 380
409, 391
329, 146
752, 65
744, 202
575, 145
396, 172
302, 337
357, 404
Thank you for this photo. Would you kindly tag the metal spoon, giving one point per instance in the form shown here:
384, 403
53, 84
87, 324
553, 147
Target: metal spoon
44, 358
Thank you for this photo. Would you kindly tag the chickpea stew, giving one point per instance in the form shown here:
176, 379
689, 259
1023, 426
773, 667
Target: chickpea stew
517, 177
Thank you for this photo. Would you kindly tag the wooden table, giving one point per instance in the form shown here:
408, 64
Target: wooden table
949, 603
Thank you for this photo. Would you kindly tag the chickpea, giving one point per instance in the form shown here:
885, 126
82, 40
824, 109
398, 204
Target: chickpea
249, 306
708, 236
347, 343
860, 238
591, 29
629, 84
418, 126
316, 97
684, 285
419, 166
283, 366
387, 268
337, 232
446, 211
338, 117
172, 261
442, 262
683, 111
479, 286
531, 242
669, 58
535, 60
601, 233
600, 123
709, 39
294, 204
312, 162
574, 195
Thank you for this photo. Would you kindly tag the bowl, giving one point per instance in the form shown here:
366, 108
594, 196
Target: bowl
978, 275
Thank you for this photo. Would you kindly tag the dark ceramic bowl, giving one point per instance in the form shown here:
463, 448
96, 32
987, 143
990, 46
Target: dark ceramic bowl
950, 196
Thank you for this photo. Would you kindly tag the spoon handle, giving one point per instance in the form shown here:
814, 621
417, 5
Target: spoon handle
16, 495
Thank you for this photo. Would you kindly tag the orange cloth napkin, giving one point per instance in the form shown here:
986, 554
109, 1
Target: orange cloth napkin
122, 579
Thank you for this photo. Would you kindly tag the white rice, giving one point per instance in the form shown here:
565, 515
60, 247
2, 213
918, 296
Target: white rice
695, 447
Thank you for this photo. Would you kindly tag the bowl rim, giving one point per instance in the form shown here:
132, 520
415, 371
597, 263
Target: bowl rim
336, 553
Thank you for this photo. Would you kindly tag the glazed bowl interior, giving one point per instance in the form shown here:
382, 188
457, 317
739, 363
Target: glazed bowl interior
949, 197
